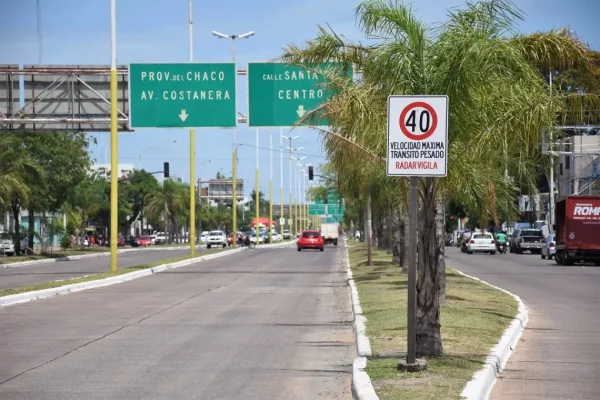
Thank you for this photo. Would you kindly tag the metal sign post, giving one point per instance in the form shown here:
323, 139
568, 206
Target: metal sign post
417, 147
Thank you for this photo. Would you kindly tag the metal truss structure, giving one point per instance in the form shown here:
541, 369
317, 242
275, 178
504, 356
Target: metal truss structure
66, 98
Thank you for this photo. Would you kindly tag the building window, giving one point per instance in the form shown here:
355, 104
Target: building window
561, 168
567, 162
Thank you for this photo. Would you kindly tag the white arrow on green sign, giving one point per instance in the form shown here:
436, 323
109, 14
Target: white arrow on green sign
190, 95
280, 94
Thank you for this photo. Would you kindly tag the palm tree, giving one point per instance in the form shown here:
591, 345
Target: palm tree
18, 172
498, 107
168, 203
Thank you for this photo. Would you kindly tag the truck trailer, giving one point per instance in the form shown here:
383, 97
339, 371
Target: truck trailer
577, 230
330, 233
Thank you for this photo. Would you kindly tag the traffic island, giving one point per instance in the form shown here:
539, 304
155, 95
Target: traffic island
472, 322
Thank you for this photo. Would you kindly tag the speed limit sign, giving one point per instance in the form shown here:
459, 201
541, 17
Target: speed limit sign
417, 135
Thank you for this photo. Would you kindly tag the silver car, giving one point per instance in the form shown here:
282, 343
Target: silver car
549, 247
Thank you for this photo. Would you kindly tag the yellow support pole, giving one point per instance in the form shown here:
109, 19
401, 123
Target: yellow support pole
114, 173
234, 199
192, 237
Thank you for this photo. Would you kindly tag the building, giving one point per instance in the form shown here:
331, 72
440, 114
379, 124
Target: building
221, 191
578, 169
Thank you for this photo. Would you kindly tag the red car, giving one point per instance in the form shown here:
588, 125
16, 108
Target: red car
311, 240
145, 241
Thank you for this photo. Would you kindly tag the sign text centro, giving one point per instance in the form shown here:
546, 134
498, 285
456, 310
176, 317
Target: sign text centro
189, 95
417, 136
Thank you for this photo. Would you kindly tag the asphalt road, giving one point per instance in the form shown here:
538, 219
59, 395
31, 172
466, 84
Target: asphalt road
40, 273
257, 325
558, 356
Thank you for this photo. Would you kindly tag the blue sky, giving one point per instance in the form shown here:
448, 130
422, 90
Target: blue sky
78, 32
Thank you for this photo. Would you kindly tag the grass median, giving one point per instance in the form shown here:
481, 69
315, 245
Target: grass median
102, 275
58, 254
472, 322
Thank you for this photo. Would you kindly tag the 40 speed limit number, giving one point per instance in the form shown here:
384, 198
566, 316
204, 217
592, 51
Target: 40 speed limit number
417, 135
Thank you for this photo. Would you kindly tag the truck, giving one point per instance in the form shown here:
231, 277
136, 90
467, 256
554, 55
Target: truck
577, 230
330, 233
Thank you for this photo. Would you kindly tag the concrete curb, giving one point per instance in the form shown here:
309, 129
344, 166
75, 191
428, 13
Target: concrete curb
480, 386
76, 287
362, 387
85, 256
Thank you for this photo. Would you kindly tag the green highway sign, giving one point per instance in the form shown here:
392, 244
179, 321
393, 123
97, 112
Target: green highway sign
326, 209
192, 95
316, 209
280, 94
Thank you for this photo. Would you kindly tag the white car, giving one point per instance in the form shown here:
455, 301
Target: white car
7, 246
204, 237
216, 238
276, 237
286, 234
261, 238
161, 238
481, 243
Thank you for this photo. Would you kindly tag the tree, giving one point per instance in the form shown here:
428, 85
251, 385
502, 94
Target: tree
19, 172
263, 206
165, 204
498, 104
85, 200
65, 161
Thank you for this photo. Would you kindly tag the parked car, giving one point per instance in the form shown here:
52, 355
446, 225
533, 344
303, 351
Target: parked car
261, 238
481, 243
8, 247
216, 238
549, 247
161, 238
310, 240
286, 234
527, 239
145, 241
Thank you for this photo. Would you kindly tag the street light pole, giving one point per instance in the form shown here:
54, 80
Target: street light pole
271, 185
114, 138
290, 206
257, 201
192, 236
281, 217
246, 35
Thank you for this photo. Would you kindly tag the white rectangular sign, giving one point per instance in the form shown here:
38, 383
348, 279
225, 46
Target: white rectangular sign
417, 136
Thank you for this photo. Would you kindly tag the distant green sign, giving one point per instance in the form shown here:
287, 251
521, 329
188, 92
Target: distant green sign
280, 94
316, 209
193, 95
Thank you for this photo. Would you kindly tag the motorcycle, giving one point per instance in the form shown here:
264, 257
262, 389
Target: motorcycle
501, 247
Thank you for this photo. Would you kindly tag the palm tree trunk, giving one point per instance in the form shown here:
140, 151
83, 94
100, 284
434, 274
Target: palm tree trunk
16, 208
397, 227
30, 226
369, 231
429, 340
381, 245
405, 241
440, 219
389, 231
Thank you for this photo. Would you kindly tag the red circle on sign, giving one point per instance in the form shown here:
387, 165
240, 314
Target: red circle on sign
424, 135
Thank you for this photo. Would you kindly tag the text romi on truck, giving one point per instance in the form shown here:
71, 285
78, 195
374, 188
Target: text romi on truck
578, 230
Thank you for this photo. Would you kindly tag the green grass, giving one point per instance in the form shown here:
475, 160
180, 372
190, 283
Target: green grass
472, 322
94, 277
58, 254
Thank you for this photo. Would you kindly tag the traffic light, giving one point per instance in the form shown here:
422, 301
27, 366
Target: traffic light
310, 173
166, 169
